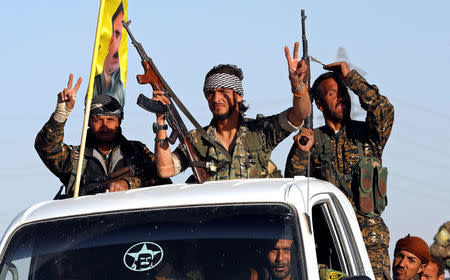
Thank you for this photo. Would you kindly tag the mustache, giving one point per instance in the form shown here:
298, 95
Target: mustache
106, 130
398, 267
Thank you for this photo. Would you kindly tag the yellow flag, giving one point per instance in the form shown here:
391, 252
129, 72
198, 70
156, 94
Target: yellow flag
109, 64
109, 61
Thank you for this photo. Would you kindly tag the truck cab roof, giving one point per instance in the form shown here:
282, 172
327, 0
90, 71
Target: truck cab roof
220, 218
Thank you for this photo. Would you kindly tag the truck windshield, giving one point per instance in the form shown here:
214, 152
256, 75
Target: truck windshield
226, 242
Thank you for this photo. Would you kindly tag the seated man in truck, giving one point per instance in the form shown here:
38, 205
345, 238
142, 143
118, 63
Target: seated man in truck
249, 142
279, 264
107, 150
411, 256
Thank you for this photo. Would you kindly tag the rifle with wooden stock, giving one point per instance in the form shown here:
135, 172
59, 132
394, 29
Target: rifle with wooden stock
101, 184
153, 77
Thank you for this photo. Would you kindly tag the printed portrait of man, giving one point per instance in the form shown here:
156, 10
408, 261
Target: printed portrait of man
109, 81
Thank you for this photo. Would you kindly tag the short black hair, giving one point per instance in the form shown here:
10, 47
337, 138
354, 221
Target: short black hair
439, 263
315, 90
227, 69
117, 12
232, 70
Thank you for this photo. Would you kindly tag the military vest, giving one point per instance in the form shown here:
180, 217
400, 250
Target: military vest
93, 166
365, 185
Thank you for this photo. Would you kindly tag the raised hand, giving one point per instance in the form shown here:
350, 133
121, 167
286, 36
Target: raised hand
340, 68
297, 68
66, 100
69, 94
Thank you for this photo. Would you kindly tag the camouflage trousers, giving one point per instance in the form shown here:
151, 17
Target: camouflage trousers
376, 238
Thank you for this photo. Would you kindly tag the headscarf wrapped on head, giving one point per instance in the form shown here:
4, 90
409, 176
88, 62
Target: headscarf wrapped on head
416, 246
224, 76
105, 105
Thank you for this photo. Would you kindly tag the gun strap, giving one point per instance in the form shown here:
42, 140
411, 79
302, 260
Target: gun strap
188, 114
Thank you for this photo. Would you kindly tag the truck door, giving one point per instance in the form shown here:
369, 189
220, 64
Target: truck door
334, 239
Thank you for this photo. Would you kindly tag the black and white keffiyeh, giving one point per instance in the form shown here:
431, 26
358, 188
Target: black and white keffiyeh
223, 80
105, 105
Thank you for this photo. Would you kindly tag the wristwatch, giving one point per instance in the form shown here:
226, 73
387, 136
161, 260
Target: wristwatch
157, 127
160, 141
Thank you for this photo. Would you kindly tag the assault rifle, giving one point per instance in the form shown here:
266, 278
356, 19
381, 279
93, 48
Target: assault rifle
307, 80
153, 77
101, 184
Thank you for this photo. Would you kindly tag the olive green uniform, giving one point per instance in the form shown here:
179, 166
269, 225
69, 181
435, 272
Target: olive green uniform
250, 151
372, 135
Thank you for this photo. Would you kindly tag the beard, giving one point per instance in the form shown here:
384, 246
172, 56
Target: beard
221, 117
106, 136
280, 275
334, 116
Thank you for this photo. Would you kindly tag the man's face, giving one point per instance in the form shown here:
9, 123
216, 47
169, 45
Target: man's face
223, 102
279, 258
406, 265
112, 62
105, 128
334, 104
431, 272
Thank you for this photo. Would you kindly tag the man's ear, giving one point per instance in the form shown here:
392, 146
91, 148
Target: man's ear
441, 277
421, 268
319, 104
238, 97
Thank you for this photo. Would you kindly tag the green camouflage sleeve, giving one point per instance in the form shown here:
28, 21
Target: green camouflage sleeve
380, 112
273, 129
297, 162
56, 155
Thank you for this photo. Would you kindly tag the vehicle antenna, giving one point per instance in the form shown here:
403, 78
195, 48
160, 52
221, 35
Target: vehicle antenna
309, 119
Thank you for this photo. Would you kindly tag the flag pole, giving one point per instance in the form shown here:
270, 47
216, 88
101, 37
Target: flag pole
88, 101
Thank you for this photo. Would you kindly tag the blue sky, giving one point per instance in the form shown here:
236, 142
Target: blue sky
404, 46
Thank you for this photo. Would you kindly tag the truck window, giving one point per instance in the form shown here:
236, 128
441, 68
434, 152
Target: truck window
225, 242
328, 247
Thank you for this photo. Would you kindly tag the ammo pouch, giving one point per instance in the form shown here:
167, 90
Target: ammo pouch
369, 179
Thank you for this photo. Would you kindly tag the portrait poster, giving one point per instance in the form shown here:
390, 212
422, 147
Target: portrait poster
109, 62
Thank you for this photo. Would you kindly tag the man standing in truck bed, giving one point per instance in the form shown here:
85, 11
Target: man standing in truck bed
107, 150
348, 153
248, 141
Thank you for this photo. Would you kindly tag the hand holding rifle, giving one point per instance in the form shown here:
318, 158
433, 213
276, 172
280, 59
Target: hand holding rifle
161, 105
305, 133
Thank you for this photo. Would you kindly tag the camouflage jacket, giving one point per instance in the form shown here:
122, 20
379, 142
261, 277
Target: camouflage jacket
373, 134
59, 157
441, 246
253, 145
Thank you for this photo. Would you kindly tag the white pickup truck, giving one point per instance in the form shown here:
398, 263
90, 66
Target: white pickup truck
216, 230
